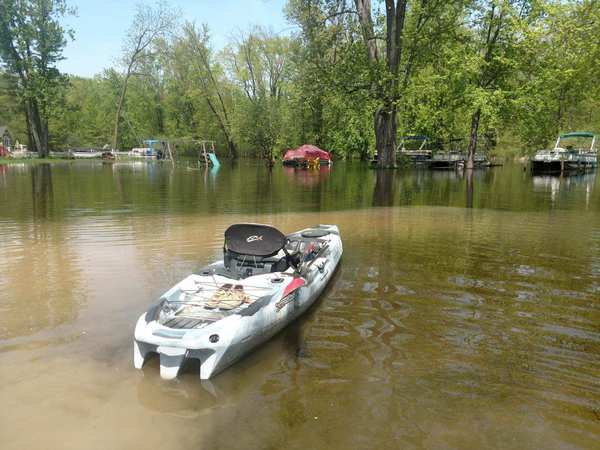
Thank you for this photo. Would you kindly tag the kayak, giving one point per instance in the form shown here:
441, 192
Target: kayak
218, 314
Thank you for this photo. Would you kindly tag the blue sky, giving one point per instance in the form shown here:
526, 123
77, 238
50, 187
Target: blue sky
100, 26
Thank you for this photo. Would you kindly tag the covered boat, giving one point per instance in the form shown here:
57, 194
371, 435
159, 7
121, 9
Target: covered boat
265, 281
568, 155
305, 154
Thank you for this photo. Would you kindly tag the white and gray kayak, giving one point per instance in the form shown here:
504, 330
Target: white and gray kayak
264, 282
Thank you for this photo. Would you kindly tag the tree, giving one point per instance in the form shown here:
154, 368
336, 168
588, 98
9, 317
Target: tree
555, 87
386, 80
149, 25
497, 28
258, 65
12, 112
205, 76
31, 43
408, 30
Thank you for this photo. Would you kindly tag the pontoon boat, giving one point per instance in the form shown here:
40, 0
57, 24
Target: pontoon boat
567, 158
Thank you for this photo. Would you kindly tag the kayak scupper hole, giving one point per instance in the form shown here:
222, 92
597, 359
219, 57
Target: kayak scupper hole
277, 280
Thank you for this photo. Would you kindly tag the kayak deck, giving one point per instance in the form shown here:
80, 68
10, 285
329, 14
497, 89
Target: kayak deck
221, 312
199, 299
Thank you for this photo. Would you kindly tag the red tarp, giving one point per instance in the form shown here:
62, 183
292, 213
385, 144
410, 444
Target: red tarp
307, 152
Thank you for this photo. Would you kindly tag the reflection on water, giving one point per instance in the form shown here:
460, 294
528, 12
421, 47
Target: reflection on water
42, 195
383, 194
554, 184
307, 177
440, 329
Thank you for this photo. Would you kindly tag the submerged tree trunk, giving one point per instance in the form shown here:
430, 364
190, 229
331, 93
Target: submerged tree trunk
364, 151
38, 129
35, 143
231, 148
473, 139
317, 125
385, 137
115, 141
388, 88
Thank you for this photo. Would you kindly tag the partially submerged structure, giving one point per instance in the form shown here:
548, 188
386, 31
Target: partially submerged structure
455, 160
570, 154
416, 148
432, 153
209, 158
152, 149
307, 156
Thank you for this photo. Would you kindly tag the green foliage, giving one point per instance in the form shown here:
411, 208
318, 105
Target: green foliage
31, 43
556, 89
266, 92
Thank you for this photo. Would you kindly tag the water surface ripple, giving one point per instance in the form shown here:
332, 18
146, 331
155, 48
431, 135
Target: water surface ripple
445, 327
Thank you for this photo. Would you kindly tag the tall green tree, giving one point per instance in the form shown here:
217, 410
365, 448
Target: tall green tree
406, 25
150, 24
496, 31
556, 85
31, 43
195, 66
259, 66
385, 67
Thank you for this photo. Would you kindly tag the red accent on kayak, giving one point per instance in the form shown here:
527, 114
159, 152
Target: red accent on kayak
294, 284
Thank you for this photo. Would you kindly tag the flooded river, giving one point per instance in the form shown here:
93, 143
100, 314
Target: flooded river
457, 319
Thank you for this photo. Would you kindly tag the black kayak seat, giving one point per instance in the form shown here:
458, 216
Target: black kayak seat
254, 239
254, 248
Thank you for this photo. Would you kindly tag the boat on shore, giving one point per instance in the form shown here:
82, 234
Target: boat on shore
84, 153
564, 158
265, 281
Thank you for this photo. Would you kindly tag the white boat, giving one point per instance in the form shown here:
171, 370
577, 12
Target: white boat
264, 282
143, 152
567, 158
87, 153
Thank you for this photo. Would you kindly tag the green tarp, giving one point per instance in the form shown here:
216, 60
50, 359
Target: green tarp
578, 134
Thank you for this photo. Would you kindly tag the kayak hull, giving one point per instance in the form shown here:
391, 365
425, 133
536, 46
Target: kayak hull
281, 298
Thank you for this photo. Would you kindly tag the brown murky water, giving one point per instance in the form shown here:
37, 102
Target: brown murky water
445, 327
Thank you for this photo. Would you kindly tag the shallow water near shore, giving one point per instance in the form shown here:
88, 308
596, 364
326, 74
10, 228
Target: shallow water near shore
457, 318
